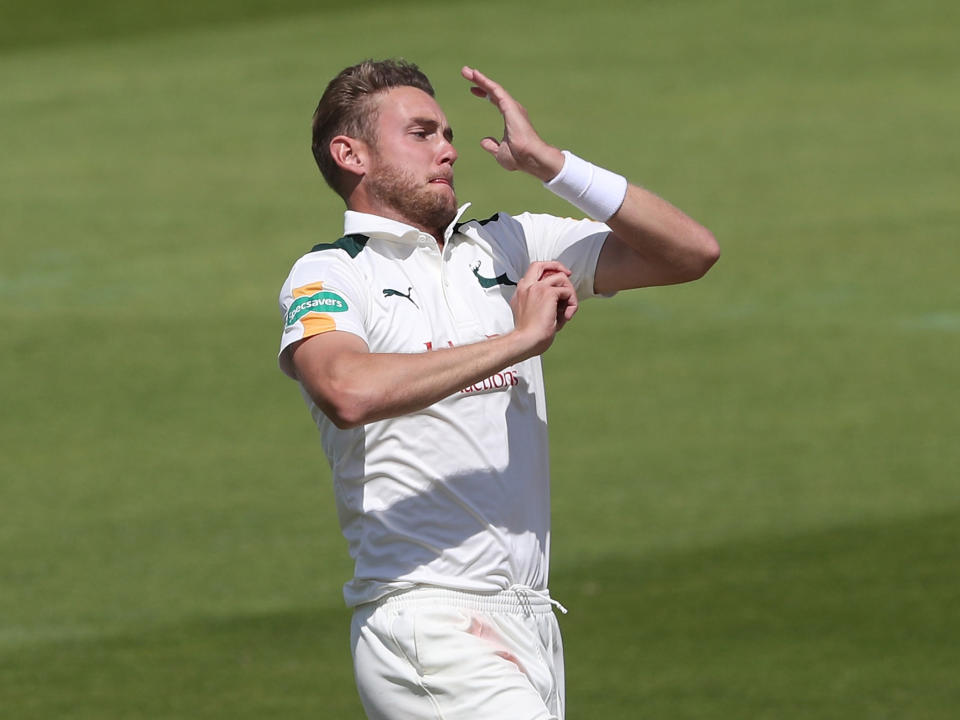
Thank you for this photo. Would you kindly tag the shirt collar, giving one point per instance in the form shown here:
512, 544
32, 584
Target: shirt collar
358, 223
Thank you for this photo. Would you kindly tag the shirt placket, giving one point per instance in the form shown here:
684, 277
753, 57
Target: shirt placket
462, 315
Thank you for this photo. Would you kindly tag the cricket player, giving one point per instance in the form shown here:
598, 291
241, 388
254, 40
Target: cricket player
416, 339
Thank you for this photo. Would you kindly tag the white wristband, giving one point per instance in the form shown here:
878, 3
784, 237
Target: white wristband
597, 192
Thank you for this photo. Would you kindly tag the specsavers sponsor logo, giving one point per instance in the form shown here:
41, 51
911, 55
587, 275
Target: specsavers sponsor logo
323, 301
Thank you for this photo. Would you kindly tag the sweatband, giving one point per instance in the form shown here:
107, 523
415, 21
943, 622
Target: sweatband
597, 192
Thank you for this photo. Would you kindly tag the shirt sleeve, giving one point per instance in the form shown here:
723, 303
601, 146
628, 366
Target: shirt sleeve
323, 292
575, 243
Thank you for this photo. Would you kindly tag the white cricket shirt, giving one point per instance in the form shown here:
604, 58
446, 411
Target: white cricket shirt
456, 495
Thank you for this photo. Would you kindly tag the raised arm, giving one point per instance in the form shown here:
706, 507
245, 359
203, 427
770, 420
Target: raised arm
651, 241
353, 386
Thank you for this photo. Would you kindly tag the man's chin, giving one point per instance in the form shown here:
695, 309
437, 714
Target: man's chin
442, 219
445, 210
432, 207
446, 192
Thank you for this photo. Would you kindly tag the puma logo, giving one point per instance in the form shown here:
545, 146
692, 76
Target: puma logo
387, 292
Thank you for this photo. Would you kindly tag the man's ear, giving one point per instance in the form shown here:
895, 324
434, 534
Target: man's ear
350, 154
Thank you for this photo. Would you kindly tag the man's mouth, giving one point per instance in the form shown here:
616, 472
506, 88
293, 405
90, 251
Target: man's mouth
442, 181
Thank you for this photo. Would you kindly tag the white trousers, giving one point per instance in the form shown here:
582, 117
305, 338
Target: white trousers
435, 654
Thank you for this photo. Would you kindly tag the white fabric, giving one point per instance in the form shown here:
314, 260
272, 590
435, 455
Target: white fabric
435, 653
457, 495
588, 187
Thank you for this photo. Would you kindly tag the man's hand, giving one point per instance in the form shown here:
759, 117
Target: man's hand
521, 148
652, 242
544, 301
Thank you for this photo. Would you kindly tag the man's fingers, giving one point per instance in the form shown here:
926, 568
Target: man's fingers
542, 268
562, 290
550, 275
558, 280
561, 275
477, 79
500, 152
562, 285
485, 87
545, 300
567, 303
491, 145
536, 269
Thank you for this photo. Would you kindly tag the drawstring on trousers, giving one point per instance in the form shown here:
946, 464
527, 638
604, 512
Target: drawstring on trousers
523, 594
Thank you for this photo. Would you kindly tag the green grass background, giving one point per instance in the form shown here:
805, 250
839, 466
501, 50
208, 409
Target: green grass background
757, 501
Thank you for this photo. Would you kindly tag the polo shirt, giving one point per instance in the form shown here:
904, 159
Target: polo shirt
456, 495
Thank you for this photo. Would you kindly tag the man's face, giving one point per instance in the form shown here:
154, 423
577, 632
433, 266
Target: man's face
411, 167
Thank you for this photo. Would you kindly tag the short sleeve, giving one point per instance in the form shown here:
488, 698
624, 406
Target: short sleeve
575, 243
323, 292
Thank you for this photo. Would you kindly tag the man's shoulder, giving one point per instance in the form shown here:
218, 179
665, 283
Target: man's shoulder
352, 244
347, 252
343, 258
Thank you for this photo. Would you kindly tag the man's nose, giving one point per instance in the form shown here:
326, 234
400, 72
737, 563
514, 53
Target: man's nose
448, 153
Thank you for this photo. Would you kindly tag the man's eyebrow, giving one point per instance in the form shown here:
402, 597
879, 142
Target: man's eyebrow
432, 124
